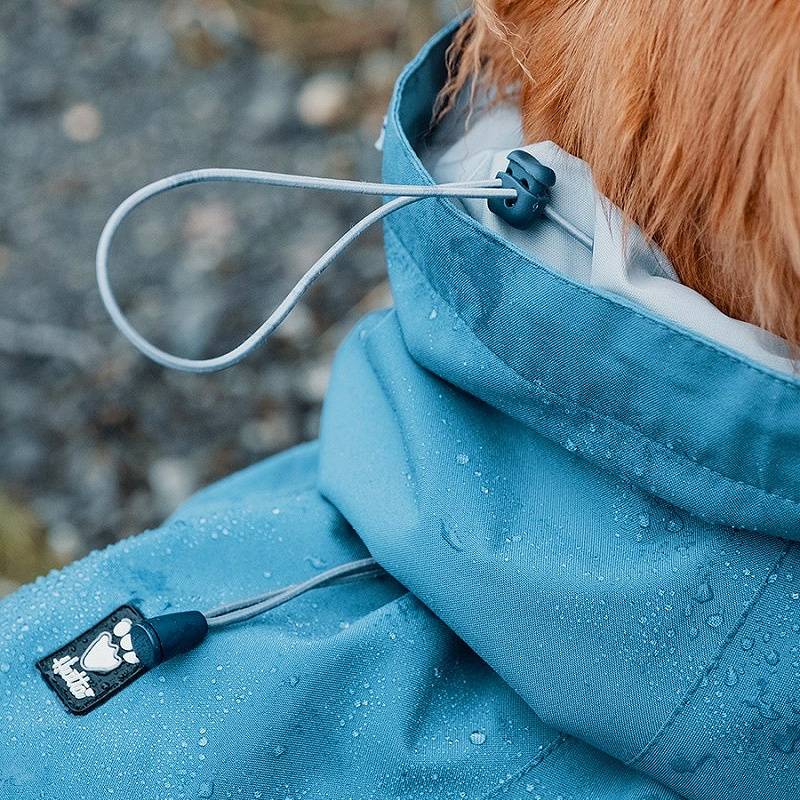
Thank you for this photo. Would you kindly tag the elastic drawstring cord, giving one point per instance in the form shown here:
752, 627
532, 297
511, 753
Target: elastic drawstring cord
519, 195
242, 610
404, 194
158, 639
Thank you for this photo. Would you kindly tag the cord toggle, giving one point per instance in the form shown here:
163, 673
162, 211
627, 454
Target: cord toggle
158, 639
532, 181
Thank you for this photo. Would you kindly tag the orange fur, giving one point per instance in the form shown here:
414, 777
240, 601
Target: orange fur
687, 112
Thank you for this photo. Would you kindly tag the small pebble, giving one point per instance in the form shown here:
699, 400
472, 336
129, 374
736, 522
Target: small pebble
82, 123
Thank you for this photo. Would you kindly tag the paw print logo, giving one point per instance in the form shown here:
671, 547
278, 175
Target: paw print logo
110, 649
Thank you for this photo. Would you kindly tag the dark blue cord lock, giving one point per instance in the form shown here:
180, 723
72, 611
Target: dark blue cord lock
532, 180
160, 638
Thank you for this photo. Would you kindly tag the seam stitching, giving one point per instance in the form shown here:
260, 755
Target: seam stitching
715, 659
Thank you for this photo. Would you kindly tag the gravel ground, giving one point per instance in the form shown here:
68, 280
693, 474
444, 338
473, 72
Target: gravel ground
99, 98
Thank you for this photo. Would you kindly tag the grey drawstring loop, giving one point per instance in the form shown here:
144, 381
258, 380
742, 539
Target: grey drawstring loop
404, 195
519, 196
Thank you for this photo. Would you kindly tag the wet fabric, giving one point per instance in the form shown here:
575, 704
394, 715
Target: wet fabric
590, 516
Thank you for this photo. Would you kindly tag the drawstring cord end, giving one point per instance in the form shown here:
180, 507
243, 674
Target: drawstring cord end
158, 639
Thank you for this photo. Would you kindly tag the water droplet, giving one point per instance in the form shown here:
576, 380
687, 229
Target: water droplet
772, 657
5, 667
202, 741
205, 789
683, 764
571, 446
704, 593
434, 313
731, 677
644, 520
450, 535
675, 524
279, 751
477, 737
693, 632
293, 680
462, 458
788, 741
714, 621
765, 709
747, 643
316, 562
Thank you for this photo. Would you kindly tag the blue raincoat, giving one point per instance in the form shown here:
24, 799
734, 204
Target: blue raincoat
590, 517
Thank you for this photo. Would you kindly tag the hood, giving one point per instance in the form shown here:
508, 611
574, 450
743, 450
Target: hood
600, 501
701, 425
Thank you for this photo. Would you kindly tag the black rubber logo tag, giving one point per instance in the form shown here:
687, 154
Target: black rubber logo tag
95, 665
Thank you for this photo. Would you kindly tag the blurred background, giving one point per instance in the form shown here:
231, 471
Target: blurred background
99, 97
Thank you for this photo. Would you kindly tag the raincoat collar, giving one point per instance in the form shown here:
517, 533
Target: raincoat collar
693, 423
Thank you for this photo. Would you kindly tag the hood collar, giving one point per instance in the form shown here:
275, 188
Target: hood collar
473, 143
699, 425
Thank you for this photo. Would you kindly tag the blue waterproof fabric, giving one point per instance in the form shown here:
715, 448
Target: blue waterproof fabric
590, 514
